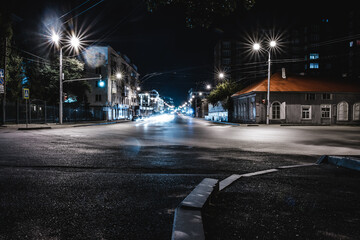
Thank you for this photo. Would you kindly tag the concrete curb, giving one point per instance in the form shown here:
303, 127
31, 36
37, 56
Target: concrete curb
103, 123
342, 161
187, 219
226, 123
34, 128
188, 222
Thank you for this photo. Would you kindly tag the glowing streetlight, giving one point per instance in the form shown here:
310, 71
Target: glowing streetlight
75, 42
118, 75
138, 89
256, 47
200, 93
55, 38
208, 86
221, 75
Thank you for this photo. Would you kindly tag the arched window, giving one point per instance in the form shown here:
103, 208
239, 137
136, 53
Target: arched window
356, 112
342, 111
275, 113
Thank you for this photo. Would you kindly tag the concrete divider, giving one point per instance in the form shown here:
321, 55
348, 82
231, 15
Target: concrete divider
188, 220
342, 161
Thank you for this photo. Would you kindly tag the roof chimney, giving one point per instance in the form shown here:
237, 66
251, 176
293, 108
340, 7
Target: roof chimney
283, 73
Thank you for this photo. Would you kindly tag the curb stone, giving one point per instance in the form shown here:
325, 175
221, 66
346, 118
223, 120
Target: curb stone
34, 128
342, 161
187, 219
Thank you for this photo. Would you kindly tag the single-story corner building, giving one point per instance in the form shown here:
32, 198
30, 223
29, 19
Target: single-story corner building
299, 100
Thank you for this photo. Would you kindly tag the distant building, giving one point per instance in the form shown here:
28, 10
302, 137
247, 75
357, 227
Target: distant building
198, 102
115, 94
299, 100
150, 103
217, 113
228, 55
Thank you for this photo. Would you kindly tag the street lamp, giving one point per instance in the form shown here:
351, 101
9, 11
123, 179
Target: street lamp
119, 76
257, 47
75, 43
138, 89
221, 75
208, 86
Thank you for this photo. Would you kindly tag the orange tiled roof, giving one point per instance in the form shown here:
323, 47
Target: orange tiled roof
300, 84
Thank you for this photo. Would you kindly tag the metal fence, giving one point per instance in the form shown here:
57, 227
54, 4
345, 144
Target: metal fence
40, 112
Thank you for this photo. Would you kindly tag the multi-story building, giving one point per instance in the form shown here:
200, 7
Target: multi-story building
198, 102
115, 94
150, 103
228, 55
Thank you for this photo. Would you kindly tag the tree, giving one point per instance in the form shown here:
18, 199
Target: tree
202, 12
222, 94
43, 79
13, 74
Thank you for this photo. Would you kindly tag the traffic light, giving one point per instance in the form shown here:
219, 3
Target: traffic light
101, 84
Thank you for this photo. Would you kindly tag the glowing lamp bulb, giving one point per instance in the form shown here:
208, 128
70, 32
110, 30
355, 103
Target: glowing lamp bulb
272, 44
55, 38
75, 42
221, 75
256, 46
118, 75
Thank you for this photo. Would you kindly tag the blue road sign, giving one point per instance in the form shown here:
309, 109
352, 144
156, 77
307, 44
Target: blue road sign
2, 81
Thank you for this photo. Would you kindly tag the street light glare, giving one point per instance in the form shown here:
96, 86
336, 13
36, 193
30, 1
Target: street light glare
208, 86
118, 75
221, 75
138, 88
272, 44
256, 46
55, 38
75, 42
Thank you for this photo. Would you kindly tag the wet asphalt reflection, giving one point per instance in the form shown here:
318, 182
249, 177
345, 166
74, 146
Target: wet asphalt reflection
123, 181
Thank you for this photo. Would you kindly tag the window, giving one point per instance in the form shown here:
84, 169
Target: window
351, 43
306, 112
226, 53
356, 112
276, 110
342, 111
310, 96
314, 65
226, 61
325, 111
314, 56
326, 96
98, 98
226, 44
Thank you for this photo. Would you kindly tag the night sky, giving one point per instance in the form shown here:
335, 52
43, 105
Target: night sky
155, 42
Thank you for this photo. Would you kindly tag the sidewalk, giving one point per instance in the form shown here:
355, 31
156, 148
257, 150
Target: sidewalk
37, 126
316, 202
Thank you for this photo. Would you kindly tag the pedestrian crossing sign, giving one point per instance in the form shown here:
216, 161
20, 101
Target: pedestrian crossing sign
26, 93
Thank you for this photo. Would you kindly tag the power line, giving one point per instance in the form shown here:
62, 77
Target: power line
84, 11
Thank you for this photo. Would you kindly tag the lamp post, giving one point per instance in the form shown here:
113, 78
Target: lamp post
257, 47
75, 43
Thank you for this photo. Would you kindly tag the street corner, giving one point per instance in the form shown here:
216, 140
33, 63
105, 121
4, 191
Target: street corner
310, 202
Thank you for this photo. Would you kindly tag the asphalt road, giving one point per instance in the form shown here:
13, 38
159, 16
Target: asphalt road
123, 181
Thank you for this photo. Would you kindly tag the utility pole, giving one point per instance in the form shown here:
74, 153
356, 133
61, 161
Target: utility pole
5, 77
60, 89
